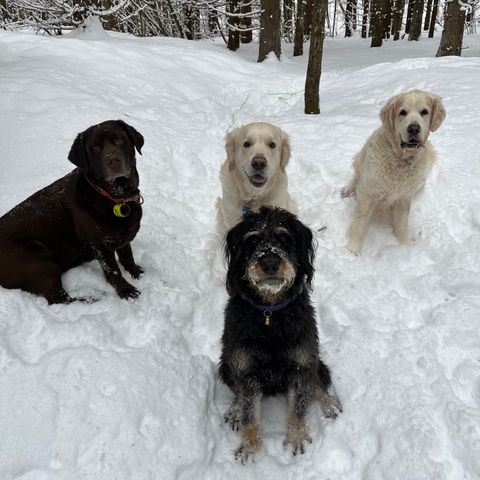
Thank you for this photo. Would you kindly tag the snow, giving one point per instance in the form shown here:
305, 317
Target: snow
129, 389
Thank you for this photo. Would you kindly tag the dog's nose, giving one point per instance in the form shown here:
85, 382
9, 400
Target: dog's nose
259, 163
413, 129
270, 264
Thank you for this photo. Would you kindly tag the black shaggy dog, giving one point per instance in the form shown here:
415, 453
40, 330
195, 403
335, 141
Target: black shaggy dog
93, 212
270, 340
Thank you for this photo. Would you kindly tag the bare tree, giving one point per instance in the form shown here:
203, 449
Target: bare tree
270, 38
416, 23
408, 22
298, 42
314, 68
433, 19
233, 21
350, 17
365, 16
246, 21
398, 19
428, 12
452, 35
376, 22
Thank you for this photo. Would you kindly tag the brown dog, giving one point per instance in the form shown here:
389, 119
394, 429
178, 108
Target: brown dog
92, 212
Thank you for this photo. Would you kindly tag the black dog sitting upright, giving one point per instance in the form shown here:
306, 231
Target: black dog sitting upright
92, 212
270, 340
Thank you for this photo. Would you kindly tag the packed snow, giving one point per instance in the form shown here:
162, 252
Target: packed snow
129, 389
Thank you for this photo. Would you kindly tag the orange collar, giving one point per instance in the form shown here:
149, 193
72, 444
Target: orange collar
135, 198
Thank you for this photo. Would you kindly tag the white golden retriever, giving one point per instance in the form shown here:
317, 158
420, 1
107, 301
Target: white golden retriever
253, 174
394, 163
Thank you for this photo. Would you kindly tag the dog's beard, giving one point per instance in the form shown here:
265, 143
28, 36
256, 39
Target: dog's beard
270, 289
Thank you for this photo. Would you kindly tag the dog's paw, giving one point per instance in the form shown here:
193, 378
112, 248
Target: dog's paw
128, 291
136, 271
232, 417
296, 437
246, 452
330, 404
354, 247
346, 192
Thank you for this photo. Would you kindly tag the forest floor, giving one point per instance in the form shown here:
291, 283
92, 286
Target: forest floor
129, 389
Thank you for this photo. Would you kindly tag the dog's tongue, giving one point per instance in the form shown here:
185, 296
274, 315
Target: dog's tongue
259, 179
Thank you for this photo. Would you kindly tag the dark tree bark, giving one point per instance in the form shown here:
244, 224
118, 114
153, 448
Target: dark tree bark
387, 18
270, 38
376, 22
314, 69
350, 17
307, 17
433, 19
246, 22
298, 44
233, 34
365, 16
417, 15
428, 12
409, 16
453, 26
398, 18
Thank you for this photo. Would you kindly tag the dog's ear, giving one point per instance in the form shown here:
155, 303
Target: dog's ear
135, 136
78, 151
305, 249
230, 148
286, 151
438, 112
387, 114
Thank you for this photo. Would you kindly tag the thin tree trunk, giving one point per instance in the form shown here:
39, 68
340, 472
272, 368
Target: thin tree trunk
298, 44
416, 25
350, 17
246, 22
409, 16
365, 16
270, 40
376, 22
453, 26
398, 18
314, 69
387, 17
233, 34
427, 15
307, 17
288, 18
433, 19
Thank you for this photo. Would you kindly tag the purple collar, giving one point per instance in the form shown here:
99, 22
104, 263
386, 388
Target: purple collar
267, 310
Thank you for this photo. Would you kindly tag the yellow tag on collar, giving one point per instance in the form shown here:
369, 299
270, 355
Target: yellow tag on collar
121, 210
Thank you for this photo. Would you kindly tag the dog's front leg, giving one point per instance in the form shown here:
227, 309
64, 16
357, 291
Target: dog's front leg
400, 213
359, 224
300, 396
108, 262
125, 255
250, 399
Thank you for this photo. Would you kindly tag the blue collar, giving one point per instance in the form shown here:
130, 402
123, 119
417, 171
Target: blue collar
247, 207
267, 310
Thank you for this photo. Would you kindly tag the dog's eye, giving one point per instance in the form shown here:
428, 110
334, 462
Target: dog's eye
272, 145
247, 144
424, 112
403, 113
95, 148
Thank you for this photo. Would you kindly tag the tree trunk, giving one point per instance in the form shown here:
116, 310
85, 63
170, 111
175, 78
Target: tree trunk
387, 18
453, 26
246, 22
365, 16
376, 22
350, 17
314, 68
288, 19
307, 17
409, 16
433, 19
233, 34
427, 15
416, 25
270, 38
298, 45
398, 18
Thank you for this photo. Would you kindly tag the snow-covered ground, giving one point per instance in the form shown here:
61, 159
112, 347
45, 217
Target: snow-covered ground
129, 390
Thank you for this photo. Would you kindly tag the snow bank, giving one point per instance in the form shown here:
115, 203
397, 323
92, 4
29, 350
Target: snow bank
129, 390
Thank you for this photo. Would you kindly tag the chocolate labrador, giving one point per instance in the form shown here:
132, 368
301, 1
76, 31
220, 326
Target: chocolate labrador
91, 213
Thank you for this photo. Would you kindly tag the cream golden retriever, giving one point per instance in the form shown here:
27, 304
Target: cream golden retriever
253, 174
394, 163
